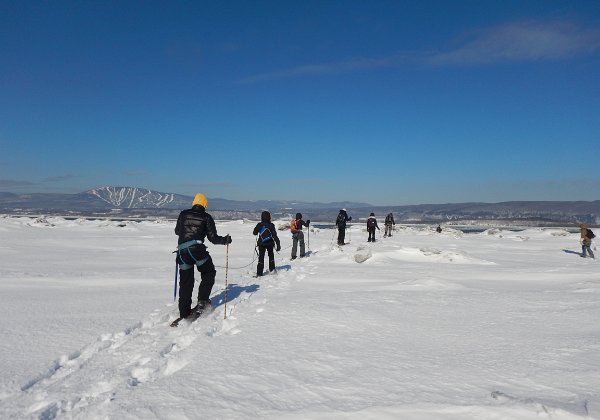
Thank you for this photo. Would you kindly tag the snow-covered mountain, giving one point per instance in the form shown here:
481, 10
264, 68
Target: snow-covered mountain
133, 198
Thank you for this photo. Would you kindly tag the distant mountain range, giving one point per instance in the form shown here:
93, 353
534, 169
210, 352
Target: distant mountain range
131, 202
141, 202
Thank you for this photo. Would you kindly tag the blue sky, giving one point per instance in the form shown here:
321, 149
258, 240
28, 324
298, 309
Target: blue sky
386, 102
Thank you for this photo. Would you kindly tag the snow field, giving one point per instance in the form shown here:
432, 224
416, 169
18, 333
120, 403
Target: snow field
425, 326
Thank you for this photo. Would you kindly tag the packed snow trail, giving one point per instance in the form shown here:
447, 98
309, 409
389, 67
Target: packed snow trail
81, 383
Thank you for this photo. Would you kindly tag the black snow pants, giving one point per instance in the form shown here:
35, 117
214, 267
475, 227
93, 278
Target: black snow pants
186, 278
341, 235
261, 259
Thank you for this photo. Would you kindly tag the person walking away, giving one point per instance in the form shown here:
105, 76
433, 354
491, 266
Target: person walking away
193, 227
340, 223
586, 240
267, 239
298, 235
389, 225
438, 229
371, 225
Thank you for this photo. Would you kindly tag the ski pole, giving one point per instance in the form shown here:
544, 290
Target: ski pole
175, 286
226, 270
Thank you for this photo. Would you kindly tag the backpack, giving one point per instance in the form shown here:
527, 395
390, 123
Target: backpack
590, 234
340, 219
294, 226
264, 235
371, 222
388, 219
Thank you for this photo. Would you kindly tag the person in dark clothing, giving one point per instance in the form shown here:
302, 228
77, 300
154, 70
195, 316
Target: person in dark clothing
267, 239
371, 225
193, 226
340, 223
389, 225
298, 235
586, 241
438, 229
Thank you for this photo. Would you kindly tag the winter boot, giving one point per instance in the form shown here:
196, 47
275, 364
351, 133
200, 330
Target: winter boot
202, 306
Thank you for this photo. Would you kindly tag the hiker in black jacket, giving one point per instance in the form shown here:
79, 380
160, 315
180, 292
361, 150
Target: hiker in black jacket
340, 223
389, 225
267, 238
371, 225
193, 226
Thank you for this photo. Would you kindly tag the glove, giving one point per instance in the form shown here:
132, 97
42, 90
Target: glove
349, 218
307, 222
278, 248
227, 239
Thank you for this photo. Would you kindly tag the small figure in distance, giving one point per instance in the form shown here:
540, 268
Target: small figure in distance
389, 225
438, 229
371, 225
586, 240
340, 223
266, 240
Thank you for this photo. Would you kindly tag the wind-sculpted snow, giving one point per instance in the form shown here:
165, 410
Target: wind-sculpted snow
426, 326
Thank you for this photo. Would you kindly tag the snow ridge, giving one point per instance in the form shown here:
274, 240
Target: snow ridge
131, 197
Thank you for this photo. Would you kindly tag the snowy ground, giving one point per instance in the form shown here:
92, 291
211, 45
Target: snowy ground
496, 325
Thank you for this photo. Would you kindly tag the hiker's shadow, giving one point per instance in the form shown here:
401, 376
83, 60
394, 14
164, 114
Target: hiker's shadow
568, 251
233, 292
284, 267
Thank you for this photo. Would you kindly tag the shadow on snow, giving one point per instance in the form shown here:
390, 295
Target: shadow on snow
233, 292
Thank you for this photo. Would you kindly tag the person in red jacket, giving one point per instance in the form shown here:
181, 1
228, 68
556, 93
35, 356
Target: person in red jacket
298, 235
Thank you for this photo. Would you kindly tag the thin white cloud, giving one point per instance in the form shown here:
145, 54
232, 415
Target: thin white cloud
59, 178
353, 64
522, 41
134, 173
12, 183
517, 41
207, 185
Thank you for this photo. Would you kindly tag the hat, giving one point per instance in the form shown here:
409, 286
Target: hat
298, 215
200, 199
372, 214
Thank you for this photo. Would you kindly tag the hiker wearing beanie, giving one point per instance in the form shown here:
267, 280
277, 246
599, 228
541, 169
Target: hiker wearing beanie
193, 227
267, 239
371, 225
298, 235
340, 223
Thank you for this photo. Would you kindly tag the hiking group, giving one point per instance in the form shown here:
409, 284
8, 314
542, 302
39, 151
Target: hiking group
194, 225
